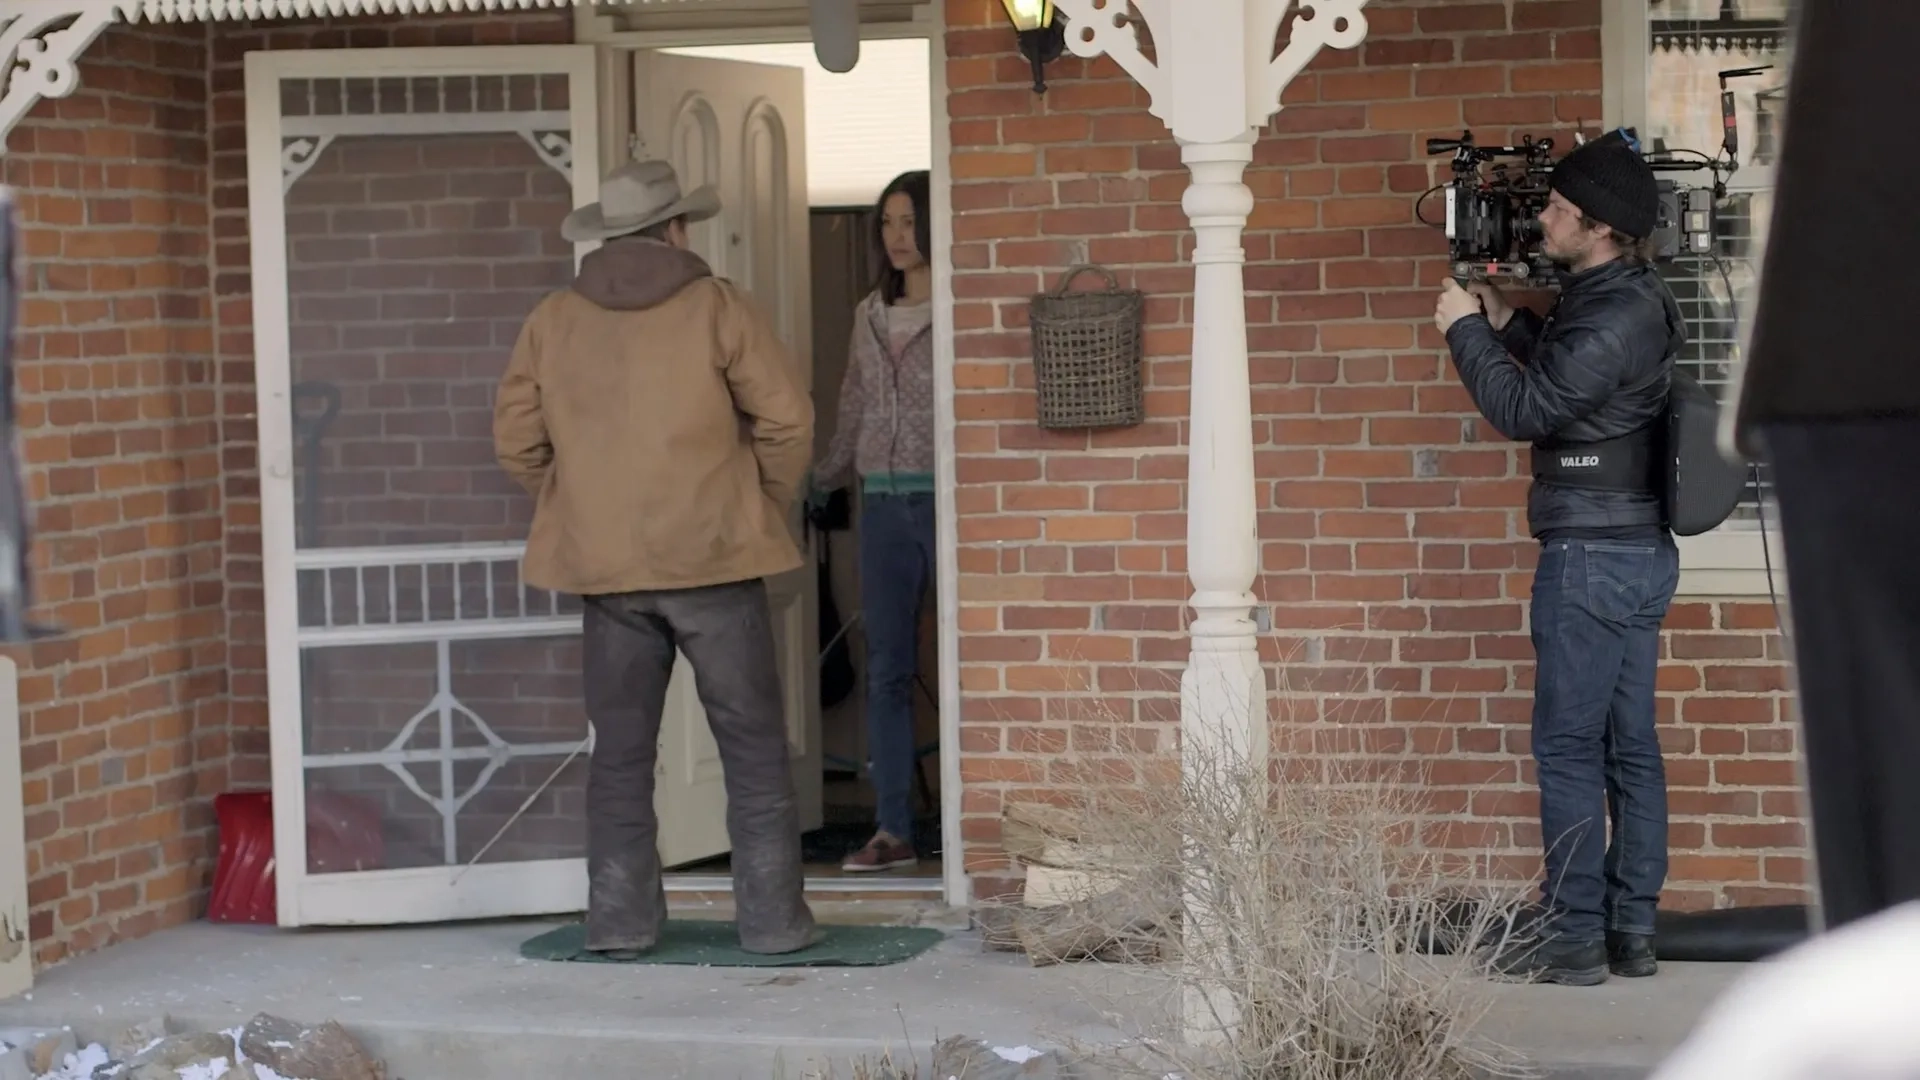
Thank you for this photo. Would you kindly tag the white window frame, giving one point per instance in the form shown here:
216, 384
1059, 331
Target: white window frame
1732, 559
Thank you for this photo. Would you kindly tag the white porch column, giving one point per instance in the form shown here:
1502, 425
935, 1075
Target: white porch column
1215, 83
1223, 696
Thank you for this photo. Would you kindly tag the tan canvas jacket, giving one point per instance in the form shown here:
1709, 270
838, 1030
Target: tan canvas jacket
660, 424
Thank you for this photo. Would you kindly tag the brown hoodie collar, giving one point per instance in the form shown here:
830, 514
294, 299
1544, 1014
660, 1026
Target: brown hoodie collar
635, 272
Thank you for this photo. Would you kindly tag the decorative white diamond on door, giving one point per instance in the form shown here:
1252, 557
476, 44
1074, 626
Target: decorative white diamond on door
446, 710
433, 595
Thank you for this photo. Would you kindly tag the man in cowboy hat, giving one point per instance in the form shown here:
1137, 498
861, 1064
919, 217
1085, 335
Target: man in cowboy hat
664, 433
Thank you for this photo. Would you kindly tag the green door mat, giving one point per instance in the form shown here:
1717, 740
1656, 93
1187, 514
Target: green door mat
704, 943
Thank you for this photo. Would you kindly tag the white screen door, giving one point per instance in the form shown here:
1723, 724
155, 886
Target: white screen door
742, 128
405, 206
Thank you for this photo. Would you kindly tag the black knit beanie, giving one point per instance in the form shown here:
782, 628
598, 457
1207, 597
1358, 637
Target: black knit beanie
1612, 184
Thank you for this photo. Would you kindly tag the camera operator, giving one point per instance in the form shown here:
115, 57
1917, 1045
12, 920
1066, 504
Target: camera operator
1587, 386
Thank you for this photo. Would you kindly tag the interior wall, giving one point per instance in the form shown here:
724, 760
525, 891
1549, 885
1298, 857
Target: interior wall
842, 258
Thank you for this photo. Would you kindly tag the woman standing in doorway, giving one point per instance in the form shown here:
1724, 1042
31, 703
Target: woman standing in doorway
885, 433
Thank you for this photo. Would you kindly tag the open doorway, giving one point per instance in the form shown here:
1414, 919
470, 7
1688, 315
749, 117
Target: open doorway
861, 130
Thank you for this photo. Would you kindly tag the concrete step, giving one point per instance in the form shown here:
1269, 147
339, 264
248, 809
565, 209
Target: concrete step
458, 1003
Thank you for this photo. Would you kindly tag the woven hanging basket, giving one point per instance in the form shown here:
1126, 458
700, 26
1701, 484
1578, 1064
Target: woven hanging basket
1086, 354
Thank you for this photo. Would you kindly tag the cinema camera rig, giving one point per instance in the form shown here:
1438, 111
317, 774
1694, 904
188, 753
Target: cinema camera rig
1494, 200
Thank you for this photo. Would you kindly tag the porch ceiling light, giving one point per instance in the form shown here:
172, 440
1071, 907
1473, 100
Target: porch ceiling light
1042, 38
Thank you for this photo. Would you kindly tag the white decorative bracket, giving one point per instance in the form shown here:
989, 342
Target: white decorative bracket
40, 46
1097, 27
554, 147
297, 155
1322, 24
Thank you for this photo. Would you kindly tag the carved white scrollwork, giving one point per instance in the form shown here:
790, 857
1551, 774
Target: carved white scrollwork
1096, 27
554, 147
1322, 24
1103, 26
40, 46
299, 155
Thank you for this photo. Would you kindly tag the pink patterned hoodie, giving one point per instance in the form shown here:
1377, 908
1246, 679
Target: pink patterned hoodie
885, 425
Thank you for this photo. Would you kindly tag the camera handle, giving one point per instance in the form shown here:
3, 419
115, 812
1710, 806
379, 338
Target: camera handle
1729, 120
1465, 272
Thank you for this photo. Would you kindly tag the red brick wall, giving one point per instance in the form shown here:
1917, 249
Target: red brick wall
136, 407
1394, 553
124, 717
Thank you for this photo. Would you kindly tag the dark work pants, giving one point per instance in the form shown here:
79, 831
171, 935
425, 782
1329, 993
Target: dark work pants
1597, 609
726, 632
1850, 510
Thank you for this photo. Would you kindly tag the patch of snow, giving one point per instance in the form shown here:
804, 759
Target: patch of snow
80, 1066
240, 1056
1019, 1055
213, 1070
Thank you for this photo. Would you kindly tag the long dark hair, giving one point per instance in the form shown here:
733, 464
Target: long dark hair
892, 284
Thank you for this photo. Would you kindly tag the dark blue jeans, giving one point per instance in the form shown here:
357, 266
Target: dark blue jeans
896, 562
1597, 609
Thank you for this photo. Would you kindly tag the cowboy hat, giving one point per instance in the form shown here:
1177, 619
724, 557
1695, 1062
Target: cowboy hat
634, 196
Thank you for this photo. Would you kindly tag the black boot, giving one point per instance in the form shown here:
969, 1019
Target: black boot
1631, 955
1554, 960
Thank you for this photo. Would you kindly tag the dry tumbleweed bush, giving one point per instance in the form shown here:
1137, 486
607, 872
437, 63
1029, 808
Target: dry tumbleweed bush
1290, 924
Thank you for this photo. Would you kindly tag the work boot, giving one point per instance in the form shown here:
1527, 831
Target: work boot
769, 887
1631, 955
626, 903
1554, 960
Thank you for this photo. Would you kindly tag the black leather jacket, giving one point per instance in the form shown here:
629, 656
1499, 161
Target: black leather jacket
1598, 367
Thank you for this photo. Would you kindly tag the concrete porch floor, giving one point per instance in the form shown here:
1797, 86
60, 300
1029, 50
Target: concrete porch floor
448, 1002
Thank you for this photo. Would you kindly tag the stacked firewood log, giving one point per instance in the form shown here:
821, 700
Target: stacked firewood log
1082, 900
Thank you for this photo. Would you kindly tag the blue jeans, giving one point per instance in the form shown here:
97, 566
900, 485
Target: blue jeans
1597, 608
896, 562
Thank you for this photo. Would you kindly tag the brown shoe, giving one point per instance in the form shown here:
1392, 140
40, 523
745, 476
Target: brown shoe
883, 852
